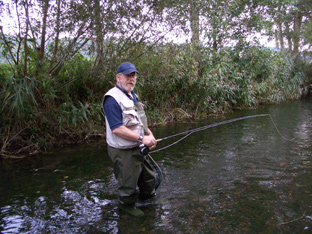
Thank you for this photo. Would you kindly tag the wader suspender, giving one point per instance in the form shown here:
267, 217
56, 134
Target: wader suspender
140, 110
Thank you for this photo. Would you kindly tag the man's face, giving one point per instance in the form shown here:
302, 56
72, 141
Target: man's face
126, 82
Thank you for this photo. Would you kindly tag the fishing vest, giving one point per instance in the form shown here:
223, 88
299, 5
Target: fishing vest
133, 117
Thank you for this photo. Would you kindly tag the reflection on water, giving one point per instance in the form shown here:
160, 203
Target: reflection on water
242, 177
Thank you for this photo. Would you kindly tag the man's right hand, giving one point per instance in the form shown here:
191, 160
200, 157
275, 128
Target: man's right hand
150, 141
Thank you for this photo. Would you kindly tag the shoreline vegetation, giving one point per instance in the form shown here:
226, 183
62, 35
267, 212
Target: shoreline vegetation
41, 112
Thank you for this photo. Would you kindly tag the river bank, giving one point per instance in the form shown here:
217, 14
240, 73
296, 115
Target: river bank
98, 132
42, 113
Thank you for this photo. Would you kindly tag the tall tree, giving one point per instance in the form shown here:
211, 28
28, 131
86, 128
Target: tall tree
73, 24
290, 21
49, 33
302, 16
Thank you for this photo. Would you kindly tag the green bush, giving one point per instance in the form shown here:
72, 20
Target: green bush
201, 81
175, 82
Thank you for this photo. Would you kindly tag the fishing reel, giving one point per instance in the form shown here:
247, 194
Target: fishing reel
144, 150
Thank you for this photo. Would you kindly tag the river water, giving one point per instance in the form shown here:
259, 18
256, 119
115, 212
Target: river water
241, 177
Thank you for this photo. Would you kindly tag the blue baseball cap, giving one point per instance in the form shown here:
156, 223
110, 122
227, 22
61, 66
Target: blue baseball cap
126, 68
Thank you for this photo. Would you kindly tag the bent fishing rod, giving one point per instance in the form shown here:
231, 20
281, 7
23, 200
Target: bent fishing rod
145, 150
211, 126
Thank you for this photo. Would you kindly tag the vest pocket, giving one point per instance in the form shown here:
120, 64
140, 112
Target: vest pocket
130, 118
130, 115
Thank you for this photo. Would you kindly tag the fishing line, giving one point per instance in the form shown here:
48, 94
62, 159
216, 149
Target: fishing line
189, 132
280, 132
157, 171
176, 142
156, 168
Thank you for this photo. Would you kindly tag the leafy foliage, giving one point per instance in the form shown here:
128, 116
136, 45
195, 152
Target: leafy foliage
63, 57
201, 81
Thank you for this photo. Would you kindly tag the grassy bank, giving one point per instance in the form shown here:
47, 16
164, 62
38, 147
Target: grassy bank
40, 112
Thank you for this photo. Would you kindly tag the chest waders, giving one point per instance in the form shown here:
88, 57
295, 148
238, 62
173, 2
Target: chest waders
138, 175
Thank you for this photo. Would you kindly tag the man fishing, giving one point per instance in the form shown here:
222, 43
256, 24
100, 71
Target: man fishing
126, 130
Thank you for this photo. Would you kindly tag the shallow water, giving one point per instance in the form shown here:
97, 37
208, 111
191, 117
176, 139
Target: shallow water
242, 177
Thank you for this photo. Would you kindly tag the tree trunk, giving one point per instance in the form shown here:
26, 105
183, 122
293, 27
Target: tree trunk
99, 35
57, 34
297, 30
25, 39
194, 20
281, 36
44, 26
276, 34
288, 35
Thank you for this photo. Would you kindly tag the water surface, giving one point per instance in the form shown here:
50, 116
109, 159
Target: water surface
242, 177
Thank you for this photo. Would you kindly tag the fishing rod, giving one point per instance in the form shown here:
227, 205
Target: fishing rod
145, 150
210, 126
